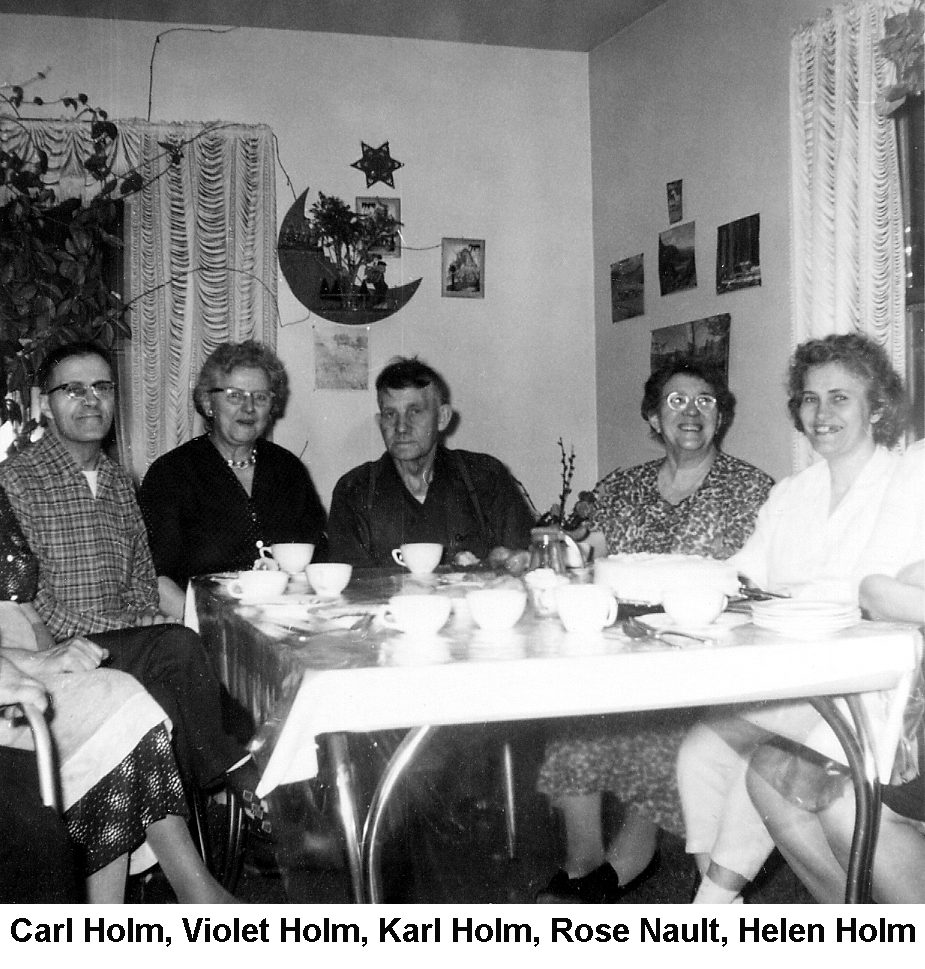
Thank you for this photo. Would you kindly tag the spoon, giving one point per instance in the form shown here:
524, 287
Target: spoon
639, 630
748, 589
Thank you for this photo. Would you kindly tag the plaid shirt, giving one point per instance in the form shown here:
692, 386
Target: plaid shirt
95, 568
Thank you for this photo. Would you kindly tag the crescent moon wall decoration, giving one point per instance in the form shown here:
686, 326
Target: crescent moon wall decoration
315, 283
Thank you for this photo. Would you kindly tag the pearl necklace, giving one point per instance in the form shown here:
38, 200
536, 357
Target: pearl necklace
247, 462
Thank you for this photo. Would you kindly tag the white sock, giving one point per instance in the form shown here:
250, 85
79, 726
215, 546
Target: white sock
709, 893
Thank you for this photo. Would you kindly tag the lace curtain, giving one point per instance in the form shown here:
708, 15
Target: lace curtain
848, 255
200, 262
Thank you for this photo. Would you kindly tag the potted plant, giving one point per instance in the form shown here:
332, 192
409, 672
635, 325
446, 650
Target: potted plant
54, 256
903, 45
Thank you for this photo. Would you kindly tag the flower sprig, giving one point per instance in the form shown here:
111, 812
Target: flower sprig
584, 506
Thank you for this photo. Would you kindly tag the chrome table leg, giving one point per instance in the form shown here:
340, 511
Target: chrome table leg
337, 745
859, 753
412, 742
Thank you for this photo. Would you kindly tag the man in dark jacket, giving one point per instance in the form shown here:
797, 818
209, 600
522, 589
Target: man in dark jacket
421, 491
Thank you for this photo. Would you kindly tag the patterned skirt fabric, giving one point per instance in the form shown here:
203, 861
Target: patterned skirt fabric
111, 818
633, 756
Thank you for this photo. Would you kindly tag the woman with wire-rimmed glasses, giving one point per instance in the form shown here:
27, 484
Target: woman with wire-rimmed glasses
212, 503
695, 500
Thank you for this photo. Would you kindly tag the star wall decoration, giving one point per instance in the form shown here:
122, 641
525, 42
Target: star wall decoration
377, 165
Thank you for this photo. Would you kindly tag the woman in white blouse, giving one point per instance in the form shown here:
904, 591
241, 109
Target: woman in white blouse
849, 402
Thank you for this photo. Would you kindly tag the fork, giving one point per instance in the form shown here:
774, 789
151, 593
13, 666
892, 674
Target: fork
640, 630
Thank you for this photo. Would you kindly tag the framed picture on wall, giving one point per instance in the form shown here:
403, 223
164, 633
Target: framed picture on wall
463, 268
675, 191
367, 205
707, 339
627, 289
677, 267
738, 256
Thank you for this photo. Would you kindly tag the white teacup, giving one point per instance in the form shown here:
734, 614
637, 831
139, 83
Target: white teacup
693, 605
259, 584
496, 608
418, 557
292, 557
585, 608
329, 578
418, 615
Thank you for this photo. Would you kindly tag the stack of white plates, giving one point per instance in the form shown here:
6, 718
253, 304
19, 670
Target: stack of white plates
803, 617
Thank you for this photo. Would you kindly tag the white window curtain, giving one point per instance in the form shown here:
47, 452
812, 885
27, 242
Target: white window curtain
848, 246
200, 261
201, 270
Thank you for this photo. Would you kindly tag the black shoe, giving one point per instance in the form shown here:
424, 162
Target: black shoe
599, 887
243, 782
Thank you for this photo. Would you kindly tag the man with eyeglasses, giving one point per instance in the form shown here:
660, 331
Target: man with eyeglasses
78, 511
420, 490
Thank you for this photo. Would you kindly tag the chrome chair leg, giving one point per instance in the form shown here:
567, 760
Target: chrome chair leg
44, 753
510, 817
198, 824
235, 840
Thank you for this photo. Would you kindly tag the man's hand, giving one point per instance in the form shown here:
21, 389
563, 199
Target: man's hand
512, 561
17, 687
152, 617
76, 655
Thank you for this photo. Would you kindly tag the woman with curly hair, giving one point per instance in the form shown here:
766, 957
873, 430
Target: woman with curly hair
210, 504
808, 542
695, 500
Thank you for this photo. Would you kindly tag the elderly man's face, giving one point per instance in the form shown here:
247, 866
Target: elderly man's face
411, 421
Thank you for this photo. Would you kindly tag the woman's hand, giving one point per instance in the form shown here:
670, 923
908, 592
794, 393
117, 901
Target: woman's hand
17, 687
902, 598
913, 574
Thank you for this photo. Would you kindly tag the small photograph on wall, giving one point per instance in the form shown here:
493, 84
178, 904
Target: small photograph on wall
341, 361
706, 339
369, 205
738, 258
677, 268
627, 288
463, 268
675, 201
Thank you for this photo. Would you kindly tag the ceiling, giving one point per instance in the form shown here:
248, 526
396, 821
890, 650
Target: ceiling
569, 25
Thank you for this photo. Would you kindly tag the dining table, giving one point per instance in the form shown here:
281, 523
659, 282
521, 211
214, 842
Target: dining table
313, 672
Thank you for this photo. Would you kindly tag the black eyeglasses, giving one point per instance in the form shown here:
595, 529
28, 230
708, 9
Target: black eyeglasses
101, 390
236, 396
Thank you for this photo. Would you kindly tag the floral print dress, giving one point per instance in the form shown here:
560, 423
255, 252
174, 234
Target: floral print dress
634, 755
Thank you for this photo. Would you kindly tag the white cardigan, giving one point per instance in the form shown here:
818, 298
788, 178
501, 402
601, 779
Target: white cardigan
799, 548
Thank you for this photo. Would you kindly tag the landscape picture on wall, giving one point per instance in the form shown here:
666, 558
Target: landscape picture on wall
738, 259
627, 288
341, 361
677, 268
675, 192
463, 268
706, 339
